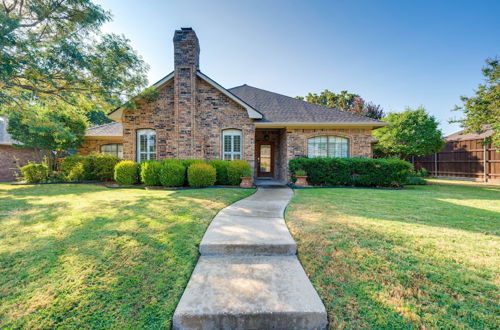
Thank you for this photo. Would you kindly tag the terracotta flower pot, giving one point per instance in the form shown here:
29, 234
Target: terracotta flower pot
301, 181
246, 182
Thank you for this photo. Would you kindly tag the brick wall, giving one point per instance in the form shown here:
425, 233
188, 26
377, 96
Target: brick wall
94, 145
213, 112
11, 158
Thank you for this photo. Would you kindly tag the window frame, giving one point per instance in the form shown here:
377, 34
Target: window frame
232, 133
329, 146
117, 154
148, 133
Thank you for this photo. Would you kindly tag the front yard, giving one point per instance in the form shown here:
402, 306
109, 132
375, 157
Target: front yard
84, 256
422, 257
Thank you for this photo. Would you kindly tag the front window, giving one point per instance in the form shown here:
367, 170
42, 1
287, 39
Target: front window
231, 144
115, 149
146, 144
328, 146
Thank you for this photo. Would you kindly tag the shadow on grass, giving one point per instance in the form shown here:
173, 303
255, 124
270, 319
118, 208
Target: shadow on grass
124, 265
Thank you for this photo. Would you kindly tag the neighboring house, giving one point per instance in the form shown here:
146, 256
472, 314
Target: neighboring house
11, 157
194, 117
464, 156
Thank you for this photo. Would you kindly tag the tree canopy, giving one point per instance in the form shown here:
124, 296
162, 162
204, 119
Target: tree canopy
345, 101
410, 133
54, 49
482, 111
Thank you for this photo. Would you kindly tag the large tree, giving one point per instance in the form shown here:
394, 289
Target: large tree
345, 101
47, 128
482, 111
409, 133
54, 49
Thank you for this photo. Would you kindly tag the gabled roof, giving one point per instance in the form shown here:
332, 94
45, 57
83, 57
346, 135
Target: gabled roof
252, 113
282, 109
113, 129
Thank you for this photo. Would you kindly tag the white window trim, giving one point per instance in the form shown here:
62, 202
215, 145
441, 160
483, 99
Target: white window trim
232, 132
148, 133
328, 145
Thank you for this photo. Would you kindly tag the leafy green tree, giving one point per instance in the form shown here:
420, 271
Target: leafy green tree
48, 129
345, 101
55, 49
483, 110
409, 133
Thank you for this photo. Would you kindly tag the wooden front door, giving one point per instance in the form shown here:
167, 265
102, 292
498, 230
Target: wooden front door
265, 159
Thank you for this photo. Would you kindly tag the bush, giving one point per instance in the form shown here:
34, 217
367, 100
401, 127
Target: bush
423, 173
35, 173
126, 173
103, 166
189, 162
150, 173
236, 170
76, 173
221, 167
415, 180
172, 174
69, 162
92, 167
201, 175
364, 172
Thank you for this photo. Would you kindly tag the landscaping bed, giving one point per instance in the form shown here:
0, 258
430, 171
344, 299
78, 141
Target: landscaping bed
421, 257
83, 256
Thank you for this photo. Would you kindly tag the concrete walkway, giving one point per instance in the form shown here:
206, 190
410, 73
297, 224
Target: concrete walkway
248, 276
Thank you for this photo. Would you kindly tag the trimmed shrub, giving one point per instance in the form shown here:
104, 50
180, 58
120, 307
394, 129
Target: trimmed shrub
423, 172
237, 169
172, 174
189, 162
35, 173
221, 169
69, 162
201, 175
174, 161
126, 173
150, 173
363, 172
76, 173
103, 166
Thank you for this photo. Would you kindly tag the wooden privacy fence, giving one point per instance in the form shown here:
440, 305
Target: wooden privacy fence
463, 159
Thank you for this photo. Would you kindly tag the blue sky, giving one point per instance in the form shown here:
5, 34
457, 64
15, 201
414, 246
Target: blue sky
393, 53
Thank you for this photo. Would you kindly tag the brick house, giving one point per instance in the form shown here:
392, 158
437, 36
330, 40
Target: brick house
195, 117
12, 157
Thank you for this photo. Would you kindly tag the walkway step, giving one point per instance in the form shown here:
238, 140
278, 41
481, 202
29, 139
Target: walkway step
244, 235
264, 292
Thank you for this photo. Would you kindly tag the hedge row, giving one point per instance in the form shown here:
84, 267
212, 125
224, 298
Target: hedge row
174, 172
364, 172
91, 167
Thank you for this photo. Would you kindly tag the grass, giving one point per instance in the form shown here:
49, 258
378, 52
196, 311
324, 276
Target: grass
84, 256
422, 257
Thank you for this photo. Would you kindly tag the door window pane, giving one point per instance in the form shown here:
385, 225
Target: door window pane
265, 158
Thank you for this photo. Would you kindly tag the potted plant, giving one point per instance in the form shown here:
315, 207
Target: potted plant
301, 176
246, 178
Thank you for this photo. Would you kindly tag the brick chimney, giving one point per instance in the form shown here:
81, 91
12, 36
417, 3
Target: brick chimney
186, 63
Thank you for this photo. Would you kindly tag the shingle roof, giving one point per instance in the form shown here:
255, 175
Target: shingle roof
111, 129
461, 135
279, 108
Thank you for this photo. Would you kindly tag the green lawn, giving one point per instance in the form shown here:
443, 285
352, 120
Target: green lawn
78, 256
422, 257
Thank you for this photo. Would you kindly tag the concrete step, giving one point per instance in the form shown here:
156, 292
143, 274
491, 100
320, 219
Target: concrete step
264, 292
246, 235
